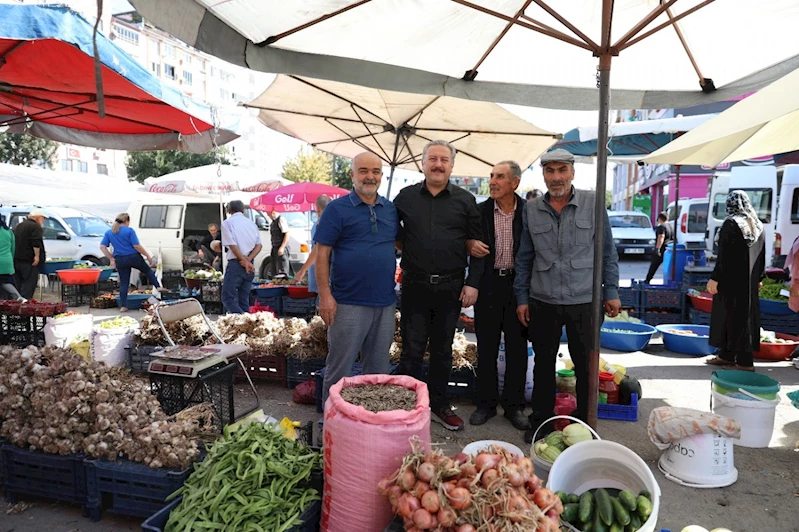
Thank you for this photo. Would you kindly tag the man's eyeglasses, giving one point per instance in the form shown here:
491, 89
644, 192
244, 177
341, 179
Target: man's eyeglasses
373, 219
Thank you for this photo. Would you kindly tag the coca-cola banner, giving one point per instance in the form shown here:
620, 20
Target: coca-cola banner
171, 187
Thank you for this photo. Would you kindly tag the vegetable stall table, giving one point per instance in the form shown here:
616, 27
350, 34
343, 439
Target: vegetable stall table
22, 324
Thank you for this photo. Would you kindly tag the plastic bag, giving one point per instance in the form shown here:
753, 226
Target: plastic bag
257, 307
61, 332
305, 392
362, 447
668, 424
108, 345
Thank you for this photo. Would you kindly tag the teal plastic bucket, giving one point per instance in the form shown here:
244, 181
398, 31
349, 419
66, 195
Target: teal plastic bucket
728, 381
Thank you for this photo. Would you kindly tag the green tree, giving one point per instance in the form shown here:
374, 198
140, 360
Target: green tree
608, 198
341, 172
144, 164
484, 190
314, 166
26, 150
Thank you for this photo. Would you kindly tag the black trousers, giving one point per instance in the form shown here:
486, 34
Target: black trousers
280, 264
26, 277
546, 324
657, 260
429, 313
495, 313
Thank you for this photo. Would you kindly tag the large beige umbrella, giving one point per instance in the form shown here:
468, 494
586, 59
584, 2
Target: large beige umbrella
346, 120
765, 123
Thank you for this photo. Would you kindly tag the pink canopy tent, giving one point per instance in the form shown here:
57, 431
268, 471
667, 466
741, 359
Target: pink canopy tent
299, 197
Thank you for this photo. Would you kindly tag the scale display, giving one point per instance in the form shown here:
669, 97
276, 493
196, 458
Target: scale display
185, 361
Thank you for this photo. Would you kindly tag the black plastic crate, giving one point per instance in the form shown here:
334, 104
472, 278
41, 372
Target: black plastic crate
298, 371
172, 279
630, 297
697, 317
77, 295
38, 474
22, 331
109, 285
139, 356
662, 318
275, 303
298, 307
213, 385
781, 324
211, 291
213, 307
262, 367
665, 297
696, 276
128, 488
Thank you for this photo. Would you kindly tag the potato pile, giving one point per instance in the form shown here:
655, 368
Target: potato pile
56, 401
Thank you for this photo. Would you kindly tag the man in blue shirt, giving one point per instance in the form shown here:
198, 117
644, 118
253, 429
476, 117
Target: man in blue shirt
355, 268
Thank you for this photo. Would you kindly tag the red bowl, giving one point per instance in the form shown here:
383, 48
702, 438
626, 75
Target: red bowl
299, 292
702, 302
80, 275
777, 352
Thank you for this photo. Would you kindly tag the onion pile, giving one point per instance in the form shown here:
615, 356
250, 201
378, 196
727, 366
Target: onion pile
493, 491
56, 401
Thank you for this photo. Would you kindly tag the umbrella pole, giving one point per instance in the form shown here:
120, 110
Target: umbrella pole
676, 223
597, 312
390, 181
393, 165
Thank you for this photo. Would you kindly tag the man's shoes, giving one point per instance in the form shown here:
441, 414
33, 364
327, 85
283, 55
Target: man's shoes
517, 419
542, 433
446, 417
743, 368
481, 415
718, 361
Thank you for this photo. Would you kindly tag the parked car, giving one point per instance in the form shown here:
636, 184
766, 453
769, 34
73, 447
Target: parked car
68, 233
632, 233
689, 222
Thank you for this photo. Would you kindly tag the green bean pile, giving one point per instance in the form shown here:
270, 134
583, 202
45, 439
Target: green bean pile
253, 479
771, 290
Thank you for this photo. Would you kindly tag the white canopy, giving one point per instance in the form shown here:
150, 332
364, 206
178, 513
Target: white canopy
346, 120
645, 127
505, 46
212, 180
766, 123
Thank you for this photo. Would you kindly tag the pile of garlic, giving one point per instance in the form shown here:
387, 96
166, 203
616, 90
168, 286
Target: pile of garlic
56, 401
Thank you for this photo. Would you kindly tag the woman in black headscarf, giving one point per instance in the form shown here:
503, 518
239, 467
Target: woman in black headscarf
741, 262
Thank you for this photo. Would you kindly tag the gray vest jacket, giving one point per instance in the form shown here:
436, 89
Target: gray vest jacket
562, 271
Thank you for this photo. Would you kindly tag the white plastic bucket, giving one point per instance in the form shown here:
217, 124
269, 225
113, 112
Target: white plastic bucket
701, 461
604, 464
755, 417
541, 466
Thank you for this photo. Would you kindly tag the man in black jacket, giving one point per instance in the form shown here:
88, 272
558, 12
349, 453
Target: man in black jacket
495, 310
29, 255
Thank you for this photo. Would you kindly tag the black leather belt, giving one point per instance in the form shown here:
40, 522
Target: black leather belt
431, 279
504, 272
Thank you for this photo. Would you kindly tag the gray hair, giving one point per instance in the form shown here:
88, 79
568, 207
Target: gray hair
235, 206
439, 143
514, 167
322, 202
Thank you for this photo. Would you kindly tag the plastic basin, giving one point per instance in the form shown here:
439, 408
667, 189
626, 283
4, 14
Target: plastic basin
477, 446
79, 276
775, 308
106, 273
687, 344
728, 381
192, 283
275, 291
636, 340
777, 352
702, 302
134, 300
53, 267
299, 292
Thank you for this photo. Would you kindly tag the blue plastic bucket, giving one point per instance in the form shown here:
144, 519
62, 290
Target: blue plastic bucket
700, 259
687, 344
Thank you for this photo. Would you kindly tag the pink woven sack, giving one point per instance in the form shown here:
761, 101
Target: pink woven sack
362, 447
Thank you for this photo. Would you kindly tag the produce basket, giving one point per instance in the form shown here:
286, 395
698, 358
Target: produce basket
103, 301
263, 367
62, 478
542, 465
269, 291
619, 412
299, 292
664, 297
80, 276
703, 302
298, 307
106, 273
298, 371
128, 488
777, 351
51, 267
134, 300
310, 518
75, 295
625, 336
687, 339
775, 308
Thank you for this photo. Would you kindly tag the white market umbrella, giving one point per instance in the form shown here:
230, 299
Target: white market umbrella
766, 123
346, 120
542, 53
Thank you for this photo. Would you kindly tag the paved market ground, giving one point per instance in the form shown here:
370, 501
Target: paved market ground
765, 497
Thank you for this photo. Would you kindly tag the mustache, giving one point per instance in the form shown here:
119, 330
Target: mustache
369, 182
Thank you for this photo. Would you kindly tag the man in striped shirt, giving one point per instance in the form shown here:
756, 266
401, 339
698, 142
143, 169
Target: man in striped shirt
495, 310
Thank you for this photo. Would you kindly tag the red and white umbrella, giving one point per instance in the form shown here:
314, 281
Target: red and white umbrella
299, 197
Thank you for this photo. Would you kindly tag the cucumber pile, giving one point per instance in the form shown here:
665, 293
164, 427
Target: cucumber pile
598, 511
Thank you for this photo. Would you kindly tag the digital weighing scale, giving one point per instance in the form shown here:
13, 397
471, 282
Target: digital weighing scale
206, 357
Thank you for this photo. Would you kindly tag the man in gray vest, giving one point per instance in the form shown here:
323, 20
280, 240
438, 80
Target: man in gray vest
279, 235
554, 280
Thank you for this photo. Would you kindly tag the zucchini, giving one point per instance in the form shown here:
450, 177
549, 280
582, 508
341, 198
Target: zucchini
562, 496
616, 527
620, 513
586, 510
573, 498
635, 523
627, 498
587, 527
646, 494
603, 506
570, 511
599, 525
644, 507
